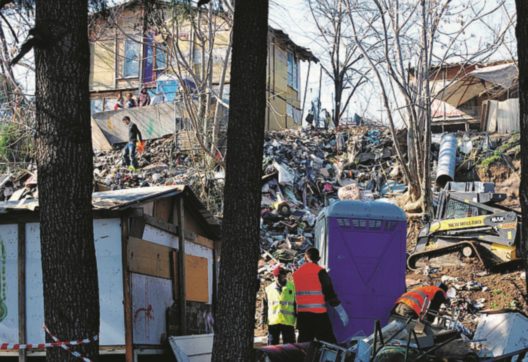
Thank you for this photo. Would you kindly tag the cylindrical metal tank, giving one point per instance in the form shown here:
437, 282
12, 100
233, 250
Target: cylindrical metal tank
445, 171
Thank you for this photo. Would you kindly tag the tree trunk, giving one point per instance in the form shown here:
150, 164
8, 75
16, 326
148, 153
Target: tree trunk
338, 89
235, 318
65, 172
426, 144
522, 49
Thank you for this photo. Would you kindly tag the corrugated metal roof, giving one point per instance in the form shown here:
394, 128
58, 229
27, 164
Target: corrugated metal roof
123, 199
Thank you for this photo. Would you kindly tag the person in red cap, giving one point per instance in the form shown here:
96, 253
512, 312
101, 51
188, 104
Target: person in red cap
279, 308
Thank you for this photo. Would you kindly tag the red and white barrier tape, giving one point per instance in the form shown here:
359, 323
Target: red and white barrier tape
66, 346
56, 343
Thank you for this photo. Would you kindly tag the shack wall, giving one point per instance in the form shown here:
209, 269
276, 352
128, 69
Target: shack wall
107, 237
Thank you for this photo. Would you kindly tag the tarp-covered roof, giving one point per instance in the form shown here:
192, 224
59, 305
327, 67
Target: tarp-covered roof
503, 75
479, 81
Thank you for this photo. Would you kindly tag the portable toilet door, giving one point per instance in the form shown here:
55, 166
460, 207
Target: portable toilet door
364, 252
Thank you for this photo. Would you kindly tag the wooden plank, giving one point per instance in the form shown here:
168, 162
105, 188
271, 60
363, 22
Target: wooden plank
162, 209
197, 275
160, 224
148, 258
22, 357
174, 273
181, 268
137, 226
129, 341
202, 240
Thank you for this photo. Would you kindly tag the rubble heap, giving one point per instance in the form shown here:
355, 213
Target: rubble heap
303, 170
161, 164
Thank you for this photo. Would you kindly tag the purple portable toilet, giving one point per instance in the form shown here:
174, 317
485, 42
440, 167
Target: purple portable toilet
362, 245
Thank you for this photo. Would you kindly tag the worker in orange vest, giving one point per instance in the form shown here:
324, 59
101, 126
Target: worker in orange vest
313, 291
418, 302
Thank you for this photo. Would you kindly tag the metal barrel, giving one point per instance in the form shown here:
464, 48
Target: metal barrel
446, 159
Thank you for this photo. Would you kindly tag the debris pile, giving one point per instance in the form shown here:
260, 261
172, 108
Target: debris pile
161, 164
19, 184
303, 170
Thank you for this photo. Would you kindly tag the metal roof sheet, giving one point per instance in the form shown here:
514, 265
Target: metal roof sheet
122, 199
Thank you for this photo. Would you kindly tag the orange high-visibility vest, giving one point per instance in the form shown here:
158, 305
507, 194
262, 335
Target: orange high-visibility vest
308, 290
417, 297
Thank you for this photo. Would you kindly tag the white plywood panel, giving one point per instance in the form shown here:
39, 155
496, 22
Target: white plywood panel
150, 299
9, 283
34, 293
162, 237
107, 237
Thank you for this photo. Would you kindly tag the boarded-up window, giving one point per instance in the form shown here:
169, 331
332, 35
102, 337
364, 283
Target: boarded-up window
131, 59
196, 279
102, 65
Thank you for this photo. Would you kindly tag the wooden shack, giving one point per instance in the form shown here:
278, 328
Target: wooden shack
145, 259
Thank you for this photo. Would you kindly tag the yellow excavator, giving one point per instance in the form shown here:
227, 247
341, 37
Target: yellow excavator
468, 221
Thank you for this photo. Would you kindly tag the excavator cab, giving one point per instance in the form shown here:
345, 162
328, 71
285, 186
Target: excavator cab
468, 221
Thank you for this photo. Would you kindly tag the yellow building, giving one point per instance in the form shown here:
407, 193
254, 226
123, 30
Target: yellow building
128, 53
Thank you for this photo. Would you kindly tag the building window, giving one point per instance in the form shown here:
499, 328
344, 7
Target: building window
131, 59
293, 71
161, 56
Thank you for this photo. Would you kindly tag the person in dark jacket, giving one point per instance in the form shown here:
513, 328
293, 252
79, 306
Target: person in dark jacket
129, 152
313, 291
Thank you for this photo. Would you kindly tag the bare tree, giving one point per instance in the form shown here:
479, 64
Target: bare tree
414, 36
199, 42
341, 55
